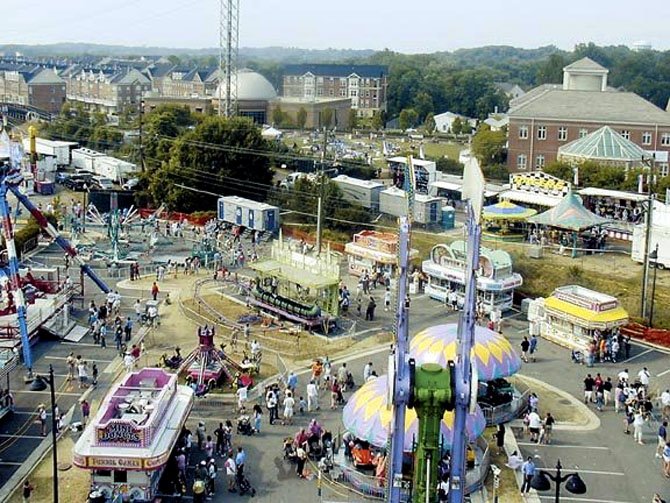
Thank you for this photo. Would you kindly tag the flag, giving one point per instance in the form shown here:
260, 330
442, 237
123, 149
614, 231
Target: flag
473, 187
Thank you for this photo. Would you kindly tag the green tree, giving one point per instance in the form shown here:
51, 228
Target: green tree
378, 120
301, 118
489, 146
457, 126
551, 71
278, 116
353, 119
222, 156
408, 118
429, 123
559, 169
327, 115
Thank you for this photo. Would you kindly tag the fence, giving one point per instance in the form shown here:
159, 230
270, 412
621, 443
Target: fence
508, 411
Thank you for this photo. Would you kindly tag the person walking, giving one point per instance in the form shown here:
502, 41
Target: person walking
500, 438
42, 418
607, 391
71, 362
527, 470
589, 382
533, 347
638, 423
154, 291
643, 375
387, 299
549, 422
662, 439
200, 434
312, 396
525, 346
271, 403
218, 434
370, 311
258, 417
301, 456
240, 459
128, 328
27, 491
85, 411
231, 471
289, 403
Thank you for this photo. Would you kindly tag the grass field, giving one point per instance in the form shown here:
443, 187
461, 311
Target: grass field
442, 149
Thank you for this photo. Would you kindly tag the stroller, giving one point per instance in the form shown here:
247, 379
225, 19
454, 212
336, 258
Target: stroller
289, 450
244, 486
244, 426
577, 357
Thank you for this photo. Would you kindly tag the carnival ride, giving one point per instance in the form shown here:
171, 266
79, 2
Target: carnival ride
117, 224
10, 180
206, 366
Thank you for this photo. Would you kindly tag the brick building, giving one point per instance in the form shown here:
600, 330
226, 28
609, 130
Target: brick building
365, 85
39, 87
552, 115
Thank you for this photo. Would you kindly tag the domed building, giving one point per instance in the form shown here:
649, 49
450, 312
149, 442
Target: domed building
254, 92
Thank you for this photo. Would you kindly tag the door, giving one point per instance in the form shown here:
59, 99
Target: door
271, 221
251, 219
238, 216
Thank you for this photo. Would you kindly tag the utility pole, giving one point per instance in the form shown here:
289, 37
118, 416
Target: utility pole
647, 241
320, 181
141, 114
54, 432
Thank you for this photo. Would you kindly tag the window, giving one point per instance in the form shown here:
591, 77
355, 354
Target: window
521, 161
343, 92
523, 132
539, 162
646, 138
665, 140
331, 92
663, 169
120, 477
319, 91
562, 133
542, 133
626, 134
319, 80
353, 93
583, 133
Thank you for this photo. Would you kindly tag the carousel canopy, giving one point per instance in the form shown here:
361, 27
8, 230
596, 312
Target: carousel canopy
569, 214
368, 416
605, 144
495, 355
505, 210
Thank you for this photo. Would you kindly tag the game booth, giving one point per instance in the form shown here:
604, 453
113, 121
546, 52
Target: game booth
571, 316
130, 440
373, 251
496, 281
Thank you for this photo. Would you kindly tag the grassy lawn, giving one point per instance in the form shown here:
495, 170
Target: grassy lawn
442, 149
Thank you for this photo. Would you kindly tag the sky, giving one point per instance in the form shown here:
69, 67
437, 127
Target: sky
411, 27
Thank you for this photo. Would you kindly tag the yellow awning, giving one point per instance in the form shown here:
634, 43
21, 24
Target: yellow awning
587, 316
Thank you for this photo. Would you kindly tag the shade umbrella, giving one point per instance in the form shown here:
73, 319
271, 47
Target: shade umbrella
505, 210
368, 417
495, 356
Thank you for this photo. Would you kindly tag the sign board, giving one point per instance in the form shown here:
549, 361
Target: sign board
585, 302
538, 182
117, 432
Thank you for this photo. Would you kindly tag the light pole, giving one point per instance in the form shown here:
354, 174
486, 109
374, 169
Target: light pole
83, 214
653, 256
40, 383
541, 482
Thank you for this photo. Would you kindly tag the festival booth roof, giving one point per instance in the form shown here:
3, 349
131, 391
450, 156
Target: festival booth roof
605, 144
368, 416
494, 354
583, 316
505, 210
569, 214
293, 274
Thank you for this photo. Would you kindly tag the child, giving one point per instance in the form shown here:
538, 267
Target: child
302, 406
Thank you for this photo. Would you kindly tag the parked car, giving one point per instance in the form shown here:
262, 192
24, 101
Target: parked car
131, 184
102, 183
78, 183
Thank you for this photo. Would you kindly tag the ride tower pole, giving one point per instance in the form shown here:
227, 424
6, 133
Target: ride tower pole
14, 279
465, 385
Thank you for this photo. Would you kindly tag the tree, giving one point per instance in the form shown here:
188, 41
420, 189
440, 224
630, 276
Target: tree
301, 118
457, 126
551, 71
559, 169
429, 123
378, 120
408, 118
327, 117
353, 119
222, 156
489, 146
278, 116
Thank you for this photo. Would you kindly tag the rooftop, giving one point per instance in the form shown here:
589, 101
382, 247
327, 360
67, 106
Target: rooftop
369, 71
551, 102
604, 144
586, 65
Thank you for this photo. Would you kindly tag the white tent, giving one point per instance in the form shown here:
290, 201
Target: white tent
271, 133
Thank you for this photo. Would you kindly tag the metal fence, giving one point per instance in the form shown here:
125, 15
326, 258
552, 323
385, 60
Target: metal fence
508, 411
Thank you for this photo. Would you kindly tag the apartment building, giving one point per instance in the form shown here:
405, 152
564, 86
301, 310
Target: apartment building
364, 85
552, 115
35, 86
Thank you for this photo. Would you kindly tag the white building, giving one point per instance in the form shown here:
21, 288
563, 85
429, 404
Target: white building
444, 121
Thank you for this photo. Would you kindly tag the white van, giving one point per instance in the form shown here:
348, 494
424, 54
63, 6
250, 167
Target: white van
103, 183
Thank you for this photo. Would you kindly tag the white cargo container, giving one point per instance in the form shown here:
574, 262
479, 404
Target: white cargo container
247, 213
427, 209
660, 235
364, 192
59, 149
113, 168
85, 158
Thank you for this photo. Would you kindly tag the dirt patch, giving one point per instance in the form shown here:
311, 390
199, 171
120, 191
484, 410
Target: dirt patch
73, 483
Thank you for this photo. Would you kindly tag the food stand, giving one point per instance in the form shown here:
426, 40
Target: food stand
373, 251
131, 438
495, 283
572, 314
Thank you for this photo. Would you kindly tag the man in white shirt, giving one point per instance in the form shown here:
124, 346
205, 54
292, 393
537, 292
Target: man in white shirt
665, 398
312, 397
242, 395
534, 425
367, 371
623, 376
643, 376
138, 309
